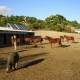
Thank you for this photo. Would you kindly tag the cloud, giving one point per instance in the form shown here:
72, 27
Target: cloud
5, 10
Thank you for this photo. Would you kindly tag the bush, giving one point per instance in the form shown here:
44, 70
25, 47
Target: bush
57, 28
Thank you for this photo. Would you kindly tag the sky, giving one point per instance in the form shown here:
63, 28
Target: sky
41, 9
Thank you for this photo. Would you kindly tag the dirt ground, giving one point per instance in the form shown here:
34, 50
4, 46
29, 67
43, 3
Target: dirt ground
43, 62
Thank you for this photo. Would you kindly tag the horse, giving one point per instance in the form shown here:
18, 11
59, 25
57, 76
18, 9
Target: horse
36, 40
17, 41
53, 40
27, 39
62, 38
69, 38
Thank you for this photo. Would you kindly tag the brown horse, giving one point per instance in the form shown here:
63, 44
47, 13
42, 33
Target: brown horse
53, 40
17, 40
69, 38
36, 40
62, 38
27, 39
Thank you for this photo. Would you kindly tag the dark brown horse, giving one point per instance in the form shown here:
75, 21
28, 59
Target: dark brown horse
53, 40
69, 38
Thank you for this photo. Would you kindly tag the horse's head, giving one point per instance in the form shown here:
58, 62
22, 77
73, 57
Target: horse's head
64, 36
46, 37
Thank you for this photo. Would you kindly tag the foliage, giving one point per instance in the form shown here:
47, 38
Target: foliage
54, 22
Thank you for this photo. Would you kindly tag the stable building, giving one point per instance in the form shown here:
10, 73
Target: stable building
20, 31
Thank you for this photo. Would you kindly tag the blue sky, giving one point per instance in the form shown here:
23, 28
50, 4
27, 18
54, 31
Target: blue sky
42, 9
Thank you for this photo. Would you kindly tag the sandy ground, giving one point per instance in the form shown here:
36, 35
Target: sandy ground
43, 62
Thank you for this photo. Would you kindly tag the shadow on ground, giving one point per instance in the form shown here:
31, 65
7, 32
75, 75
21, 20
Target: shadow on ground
7, 53
26, 65
2, 63
75, 42
31, 63
23, 59
64, 46
30, 57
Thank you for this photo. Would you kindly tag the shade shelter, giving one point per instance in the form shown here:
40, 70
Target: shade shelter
7, 32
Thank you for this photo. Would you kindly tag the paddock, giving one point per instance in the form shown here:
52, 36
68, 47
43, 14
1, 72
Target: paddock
43, 62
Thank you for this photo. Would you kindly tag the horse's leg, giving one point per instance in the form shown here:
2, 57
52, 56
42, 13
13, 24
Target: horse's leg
51, 45
12, 43
60, 44
41, 42
73, 41
19, 41
68, 41
63, 39
36, 45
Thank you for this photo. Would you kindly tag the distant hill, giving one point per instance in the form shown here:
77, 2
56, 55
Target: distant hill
54, 22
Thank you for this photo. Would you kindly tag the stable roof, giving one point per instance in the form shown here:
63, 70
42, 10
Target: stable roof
10, 30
